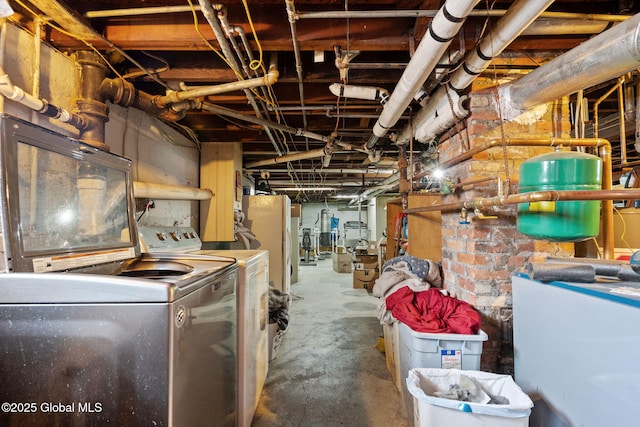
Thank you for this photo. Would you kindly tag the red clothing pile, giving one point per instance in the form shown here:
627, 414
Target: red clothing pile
430, 311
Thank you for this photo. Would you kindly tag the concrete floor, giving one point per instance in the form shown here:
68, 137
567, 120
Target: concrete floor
328, 371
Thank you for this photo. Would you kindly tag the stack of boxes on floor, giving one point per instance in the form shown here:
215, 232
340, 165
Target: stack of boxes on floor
341, 261
365, 267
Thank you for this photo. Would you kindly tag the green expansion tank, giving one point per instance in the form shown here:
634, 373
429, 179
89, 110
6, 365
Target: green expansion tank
568, 221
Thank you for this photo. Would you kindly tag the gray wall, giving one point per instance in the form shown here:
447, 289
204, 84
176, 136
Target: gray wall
159, 153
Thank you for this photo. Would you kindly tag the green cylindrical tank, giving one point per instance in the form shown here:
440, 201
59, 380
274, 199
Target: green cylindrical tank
569, 221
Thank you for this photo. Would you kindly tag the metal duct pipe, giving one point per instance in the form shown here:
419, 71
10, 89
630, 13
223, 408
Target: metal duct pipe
437, 116
150, 190
603, 57
291, 11
210, 16
360, 92
444, 26
15, 93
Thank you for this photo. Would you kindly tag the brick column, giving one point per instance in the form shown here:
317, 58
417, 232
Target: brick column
480, 257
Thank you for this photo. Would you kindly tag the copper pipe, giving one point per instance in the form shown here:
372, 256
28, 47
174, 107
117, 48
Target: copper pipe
533, 196
605, 154
473, 182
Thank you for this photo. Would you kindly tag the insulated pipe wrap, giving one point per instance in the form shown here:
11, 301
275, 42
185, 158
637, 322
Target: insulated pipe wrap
549, 272
444, 25
603, 57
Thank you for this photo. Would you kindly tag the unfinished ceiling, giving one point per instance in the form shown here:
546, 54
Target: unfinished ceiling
298, 136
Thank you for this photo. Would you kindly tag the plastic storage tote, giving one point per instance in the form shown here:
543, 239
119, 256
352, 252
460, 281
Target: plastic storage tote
391, 351
429, 410
429, 350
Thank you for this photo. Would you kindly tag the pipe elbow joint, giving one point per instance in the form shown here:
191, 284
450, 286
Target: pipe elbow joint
374, 156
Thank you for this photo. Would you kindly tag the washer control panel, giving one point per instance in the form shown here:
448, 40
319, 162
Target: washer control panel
168, 239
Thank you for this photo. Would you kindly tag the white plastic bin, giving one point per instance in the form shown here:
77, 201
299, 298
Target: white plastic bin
431, 411
428, 350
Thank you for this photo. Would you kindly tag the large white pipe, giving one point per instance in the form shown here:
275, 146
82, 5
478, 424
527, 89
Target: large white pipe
440, 117
444, 26
434, 118
506, 30
371, 93
604, 57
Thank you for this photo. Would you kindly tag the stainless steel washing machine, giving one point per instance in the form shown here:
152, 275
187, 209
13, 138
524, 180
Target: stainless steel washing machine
92, 332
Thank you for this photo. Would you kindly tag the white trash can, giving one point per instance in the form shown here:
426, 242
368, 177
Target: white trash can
430, 411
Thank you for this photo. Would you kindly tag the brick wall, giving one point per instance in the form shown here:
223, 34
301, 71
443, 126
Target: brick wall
480, 257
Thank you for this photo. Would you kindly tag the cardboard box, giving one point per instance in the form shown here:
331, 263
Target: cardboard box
366, 262
365, 279
296, 210
341, 263
372, 249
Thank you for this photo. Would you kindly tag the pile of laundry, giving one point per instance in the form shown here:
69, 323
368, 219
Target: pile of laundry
409, 290
279, 308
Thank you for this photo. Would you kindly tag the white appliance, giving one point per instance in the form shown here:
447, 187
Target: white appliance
252, 308
253, 319
577, 349
269, 219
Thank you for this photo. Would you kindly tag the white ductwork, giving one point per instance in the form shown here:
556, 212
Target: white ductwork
604, 57
437, 116
360, 92
444, 26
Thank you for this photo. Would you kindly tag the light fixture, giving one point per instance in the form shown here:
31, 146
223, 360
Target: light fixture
437, 174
